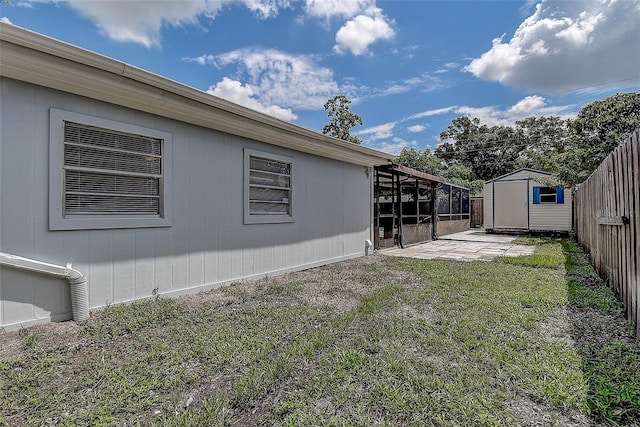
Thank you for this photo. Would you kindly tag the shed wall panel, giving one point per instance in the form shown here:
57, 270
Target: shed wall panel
207, 244
549, 217
488, 205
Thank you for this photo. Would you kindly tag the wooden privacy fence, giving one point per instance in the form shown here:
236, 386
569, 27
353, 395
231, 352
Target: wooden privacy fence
477, 212
607, 222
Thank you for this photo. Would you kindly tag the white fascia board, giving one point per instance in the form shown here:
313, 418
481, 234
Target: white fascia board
44, 61
38, 42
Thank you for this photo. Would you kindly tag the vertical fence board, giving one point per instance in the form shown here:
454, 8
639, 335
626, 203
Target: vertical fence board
477, 212
607, 222
624, 231
635, 219
628, 206
620, 231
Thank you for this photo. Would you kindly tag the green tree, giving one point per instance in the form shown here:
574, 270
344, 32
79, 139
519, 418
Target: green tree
341, 119
464, 177
599, 127
571, 149
424, 161
543, 141
487, 151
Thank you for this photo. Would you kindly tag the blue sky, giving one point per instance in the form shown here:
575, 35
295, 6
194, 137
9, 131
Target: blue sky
410, 67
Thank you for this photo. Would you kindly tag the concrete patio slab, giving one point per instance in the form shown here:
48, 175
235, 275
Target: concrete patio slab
479, 235
471, 245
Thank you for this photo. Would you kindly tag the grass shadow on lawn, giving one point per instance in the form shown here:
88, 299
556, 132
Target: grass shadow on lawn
605, 341
603, 338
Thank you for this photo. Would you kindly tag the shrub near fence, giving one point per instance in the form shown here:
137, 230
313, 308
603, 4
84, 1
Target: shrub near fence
607, 222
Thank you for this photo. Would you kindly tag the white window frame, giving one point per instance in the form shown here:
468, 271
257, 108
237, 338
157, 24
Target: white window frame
58, 220
548, 196
250, 218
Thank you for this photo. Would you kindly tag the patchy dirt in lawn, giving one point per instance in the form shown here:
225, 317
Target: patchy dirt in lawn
558, 327
528, 413
599, 330
322, 294
63, 336
339, 286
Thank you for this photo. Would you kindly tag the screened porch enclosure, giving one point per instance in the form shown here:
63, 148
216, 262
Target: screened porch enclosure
413, 207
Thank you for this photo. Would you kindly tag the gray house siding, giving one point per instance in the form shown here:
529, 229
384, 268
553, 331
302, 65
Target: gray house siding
207, 243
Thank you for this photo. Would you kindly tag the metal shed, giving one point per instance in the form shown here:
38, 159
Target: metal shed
521, 201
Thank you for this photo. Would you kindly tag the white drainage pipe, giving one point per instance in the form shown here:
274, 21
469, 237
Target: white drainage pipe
77, 281
368, 247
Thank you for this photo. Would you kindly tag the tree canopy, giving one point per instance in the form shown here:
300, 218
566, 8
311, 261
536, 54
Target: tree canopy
423, 161
599, 127
341, 119
488, 151
571, 149
428, 162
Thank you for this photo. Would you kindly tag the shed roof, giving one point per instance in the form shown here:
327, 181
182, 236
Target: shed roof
44, 61
518, 171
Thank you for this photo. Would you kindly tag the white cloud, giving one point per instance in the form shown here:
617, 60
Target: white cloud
366, 23
424, 83
567, 45
529, 106
5, 20
378, 132
394, 147
234, 91
429, 113
278, 78
397, 88
416, 128
141, 21
201, 60
386, 130
337, 8
360, 32
447, 67
489, 115
264, 8
407, 51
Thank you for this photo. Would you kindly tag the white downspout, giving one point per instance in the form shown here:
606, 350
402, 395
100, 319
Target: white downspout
77, 281
368, 244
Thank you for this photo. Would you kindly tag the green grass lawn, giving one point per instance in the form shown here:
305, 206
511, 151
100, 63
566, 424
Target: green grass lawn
532, 340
